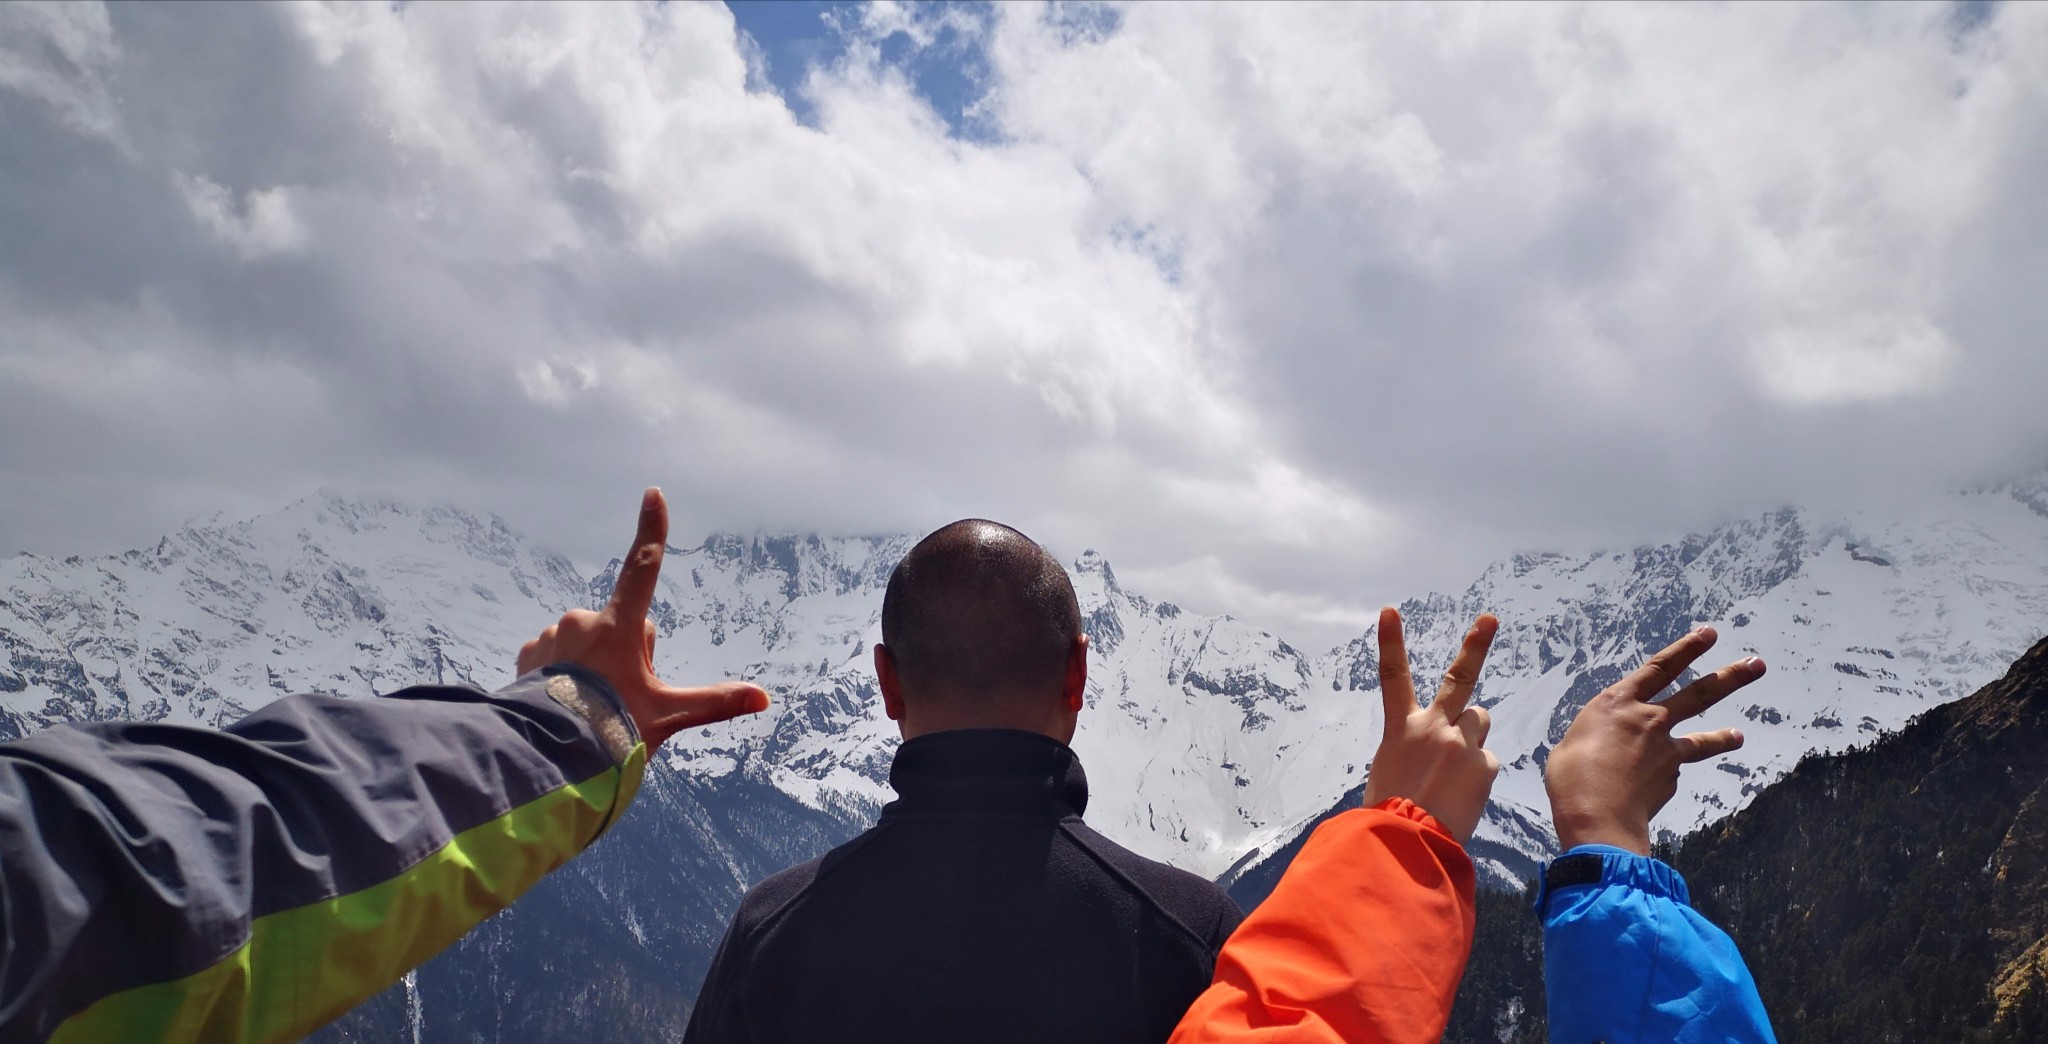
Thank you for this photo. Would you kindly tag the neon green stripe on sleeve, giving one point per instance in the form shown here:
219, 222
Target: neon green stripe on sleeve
302, 968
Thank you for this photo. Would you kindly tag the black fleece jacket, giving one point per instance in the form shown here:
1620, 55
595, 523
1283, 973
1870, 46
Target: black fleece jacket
980, 908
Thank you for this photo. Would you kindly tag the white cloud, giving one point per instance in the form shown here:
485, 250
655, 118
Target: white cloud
261, 224
1291, 309
1868, 355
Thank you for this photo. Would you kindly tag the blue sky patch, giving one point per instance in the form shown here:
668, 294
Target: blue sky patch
950, 73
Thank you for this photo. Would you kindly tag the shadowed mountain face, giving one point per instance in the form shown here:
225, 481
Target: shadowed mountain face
1900, 892
1897, 892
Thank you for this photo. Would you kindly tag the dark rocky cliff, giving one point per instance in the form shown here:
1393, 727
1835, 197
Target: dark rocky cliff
1896, 892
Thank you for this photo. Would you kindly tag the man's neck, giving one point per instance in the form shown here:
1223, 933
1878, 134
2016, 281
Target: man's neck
1052, 721
913, 730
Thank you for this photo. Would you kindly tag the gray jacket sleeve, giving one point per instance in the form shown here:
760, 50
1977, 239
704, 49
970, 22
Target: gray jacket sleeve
164, 882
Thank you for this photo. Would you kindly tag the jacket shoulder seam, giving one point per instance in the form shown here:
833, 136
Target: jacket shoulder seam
1066, 827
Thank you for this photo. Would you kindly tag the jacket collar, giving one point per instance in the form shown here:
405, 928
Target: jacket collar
987, 771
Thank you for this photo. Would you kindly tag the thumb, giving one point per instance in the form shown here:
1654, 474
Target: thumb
1699, 746
686, 708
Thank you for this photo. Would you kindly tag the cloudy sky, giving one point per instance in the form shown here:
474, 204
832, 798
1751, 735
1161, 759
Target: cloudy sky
1289, 309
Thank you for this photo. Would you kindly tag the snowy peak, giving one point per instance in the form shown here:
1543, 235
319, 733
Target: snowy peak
1091, 564
2029, 491
808, 564
762, 573
1105, 606
328, 594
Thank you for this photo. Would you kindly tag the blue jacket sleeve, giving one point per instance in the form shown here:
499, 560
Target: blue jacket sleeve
1627, 959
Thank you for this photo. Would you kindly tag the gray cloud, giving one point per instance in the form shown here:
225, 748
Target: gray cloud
1290, 310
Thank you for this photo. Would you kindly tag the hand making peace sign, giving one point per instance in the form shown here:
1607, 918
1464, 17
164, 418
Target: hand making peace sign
1433, 755
618, 643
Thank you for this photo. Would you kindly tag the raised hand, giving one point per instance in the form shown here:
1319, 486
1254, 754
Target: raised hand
1618, 763
618, 643
1433, 755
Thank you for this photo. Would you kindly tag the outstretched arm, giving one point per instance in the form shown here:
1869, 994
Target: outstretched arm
1625, 956
1366, 935
170, 883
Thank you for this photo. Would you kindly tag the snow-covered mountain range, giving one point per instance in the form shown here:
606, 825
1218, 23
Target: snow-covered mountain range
1207, 740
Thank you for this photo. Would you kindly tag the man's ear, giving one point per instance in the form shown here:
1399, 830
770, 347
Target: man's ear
1074, 687
892, 686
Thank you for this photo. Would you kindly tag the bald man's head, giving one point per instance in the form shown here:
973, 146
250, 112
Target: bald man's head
977, 611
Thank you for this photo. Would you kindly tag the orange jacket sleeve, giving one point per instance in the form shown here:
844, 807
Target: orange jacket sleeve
1363, 941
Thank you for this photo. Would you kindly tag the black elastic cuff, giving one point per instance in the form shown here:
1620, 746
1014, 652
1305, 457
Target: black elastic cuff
1572, 870
1566, 871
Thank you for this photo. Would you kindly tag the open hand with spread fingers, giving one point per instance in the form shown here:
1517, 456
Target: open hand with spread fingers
1618, 763
1434, 755
618, 643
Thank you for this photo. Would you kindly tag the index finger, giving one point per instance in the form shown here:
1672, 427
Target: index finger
1694, 699
1397, 690
1463, 676
1647, 681
634, 592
